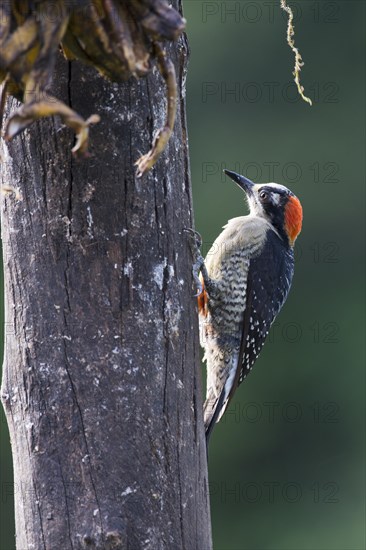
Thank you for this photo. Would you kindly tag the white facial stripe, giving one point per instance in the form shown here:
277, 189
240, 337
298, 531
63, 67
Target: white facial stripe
276, 190
276, 198
276, 186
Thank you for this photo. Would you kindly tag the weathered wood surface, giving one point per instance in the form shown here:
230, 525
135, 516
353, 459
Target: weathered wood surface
101, 384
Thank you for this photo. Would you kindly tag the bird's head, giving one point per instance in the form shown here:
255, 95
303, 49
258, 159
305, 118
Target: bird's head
275, 203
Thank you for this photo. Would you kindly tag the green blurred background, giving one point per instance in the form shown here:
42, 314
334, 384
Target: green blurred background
287, 461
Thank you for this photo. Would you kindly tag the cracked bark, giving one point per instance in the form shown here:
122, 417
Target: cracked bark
101, 381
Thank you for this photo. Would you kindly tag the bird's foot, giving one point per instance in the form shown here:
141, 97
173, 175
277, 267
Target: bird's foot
198, 261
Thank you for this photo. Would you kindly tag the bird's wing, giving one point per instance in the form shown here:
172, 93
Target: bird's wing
227, 263
269, 280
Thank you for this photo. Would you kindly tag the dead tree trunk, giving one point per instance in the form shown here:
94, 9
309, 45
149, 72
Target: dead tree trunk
101, 384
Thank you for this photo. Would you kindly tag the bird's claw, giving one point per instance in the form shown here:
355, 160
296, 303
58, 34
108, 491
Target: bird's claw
196, 242
196, 237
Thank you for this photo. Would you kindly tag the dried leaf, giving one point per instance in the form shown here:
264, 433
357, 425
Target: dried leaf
118, 38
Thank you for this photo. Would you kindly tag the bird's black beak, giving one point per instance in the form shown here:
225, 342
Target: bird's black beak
244, 183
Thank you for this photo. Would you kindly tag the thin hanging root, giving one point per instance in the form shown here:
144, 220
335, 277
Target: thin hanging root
162, 136
3, 96
298, 59
30, 112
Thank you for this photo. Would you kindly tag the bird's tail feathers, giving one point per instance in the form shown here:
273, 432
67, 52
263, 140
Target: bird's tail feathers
215, 406
213, 409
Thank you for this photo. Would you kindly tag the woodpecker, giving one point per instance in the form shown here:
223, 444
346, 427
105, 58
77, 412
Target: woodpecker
244, 282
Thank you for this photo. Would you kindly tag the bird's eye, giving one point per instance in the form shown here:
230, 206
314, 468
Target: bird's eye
263, 195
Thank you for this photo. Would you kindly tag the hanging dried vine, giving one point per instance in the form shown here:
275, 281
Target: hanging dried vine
120, 39
298, 59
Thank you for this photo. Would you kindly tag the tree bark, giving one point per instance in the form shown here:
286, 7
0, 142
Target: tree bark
101, 383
